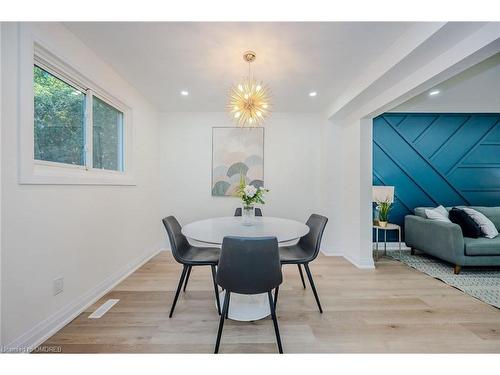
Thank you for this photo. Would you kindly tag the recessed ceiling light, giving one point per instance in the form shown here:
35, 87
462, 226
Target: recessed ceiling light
184, 93
313, 93
434, 92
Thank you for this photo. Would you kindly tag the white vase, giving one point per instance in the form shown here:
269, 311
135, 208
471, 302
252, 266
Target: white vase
248, 214
375, 216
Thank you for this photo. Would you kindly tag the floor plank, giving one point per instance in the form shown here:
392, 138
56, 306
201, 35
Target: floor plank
393, 309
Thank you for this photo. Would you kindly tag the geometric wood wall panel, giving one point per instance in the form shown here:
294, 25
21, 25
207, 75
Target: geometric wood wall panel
437, 158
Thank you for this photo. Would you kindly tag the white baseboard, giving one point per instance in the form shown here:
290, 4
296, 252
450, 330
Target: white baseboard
365, 263
368, 263
333, 253
48, 327
359, 263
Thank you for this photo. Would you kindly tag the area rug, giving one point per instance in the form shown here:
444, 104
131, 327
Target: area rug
482, 283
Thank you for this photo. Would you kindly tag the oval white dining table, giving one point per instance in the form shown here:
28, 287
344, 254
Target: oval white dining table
210, 232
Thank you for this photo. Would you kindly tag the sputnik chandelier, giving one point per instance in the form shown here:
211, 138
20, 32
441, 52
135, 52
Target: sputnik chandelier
249, 100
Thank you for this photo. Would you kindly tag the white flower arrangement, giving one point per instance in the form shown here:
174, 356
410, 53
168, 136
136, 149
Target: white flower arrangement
249, 194
250, 190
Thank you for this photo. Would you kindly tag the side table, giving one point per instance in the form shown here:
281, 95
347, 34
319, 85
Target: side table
389, 226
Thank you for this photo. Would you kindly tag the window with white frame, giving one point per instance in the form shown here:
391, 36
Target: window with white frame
73, 126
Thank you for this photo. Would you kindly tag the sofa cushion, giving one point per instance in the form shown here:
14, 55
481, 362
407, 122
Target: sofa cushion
420, 211
439, 214
469, 227
487, 227
482, 246
492, 213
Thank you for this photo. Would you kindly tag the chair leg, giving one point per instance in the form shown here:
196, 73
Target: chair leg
183, 274
228, 303
216, 289
412, 251
457, 269
276, 296
221, 321
187, 277
275, 322
311, 281
301, 276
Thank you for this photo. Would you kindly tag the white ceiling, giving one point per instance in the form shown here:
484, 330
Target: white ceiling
473, 90
161, 59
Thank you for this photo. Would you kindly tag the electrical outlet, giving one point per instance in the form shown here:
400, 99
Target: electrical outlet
58, 285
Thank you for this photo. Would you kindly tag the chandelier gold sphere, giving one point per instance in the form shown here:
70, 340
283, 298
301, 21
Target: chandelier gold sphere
249, 102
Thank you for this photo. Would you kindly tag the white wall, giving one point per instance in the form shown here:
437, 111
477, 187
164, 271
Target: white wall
332, 191
291, 166
90, 235
346, 189
474, 90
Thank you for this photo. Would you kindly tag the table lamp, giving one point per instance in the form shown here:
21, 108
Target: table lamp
383, 194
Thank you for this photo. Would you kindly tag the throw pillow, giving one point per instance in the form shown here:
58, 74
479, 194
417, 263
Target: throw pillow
468, 225
439, 214
487, 227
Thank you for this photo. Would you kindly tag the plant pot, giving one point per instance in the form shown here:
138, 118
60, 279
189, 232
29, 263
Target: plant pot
248, 214
383, 224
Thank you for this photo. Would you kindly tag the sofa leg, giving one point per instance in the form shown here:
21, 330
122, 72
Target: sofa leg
457, 269
412, 251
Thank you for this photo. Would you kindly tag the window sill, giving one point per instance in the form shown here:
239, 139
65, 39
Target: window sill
41, 174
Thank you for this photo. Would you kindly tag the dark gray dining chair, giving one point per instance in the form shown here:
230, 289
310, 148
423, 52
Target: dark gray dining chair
249, 266
258, 211
189, 256
306, 250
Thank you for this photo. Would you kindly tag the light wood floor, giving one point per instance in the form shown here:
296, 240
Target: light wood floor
391, 309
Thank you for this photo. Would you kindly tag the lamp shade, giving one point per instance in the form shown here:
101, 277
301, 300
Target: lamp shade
383, 194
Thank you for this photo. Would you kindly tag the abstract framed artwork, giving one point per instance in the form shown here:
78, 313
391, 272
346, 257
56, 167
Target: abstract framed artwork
236, 152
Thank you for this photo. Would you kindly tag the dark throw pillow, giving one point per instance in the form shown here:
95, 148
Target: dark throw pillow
469, 227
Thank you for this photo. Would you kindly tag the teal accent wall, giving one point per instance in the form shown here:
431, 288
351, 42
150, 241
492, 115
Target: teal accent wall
437, 158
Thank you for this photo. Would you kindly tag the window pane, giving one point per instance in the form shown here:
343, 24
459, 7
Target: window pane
59, 120
107, 136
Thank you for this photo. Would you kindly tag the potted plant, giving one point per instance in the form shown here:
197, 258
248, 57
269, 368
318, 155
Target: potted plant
250, 195
383, 212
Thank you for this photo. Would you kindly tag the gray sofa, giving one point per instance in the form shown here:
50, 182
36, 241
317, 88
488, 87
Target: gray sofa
445, 240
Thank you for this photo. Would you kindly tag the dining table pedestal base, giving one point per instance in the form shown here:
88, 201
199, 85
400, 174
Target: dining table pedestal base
247, 307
